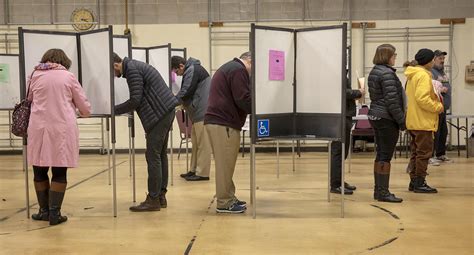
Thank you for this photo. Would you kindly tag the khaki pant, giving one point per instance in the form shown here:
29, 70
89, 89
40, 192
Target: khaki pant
201, 152
421, 151
225, 143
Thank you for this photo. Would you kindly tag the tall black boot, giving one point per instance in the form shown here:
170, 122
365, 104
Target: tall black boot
42, 193
56, 196
420, 186
377, 168
384, 194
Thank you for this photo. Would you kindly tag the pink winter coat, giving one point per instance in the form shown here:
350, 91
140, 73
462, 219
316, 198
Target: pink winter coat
53, 135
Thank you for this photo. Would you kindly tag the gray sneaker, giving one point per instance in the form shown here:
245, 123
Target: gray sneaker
434, 162
234, 208
444, 159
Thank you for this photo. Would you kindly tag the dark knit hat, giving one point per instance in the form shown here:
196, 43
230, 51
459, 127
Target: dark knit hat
424, 56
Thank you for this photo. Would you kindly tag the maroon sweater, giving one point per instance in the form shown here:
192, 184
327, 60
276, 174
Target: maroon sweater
229, 96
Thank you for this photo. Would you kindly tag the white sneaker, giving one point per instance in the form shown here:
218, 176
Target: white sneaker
444, 159
434, 162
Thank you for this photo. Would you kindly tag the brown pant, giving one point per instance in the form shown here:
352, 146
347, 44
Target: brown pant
421, 151
225, 143
201, 153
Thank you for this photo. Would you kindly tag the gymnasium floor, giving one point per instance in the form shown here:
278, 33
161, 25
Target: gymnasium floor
293, 217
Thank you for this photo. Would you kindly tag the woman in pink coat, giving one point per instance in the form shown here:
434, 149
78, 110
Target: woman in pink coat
53, 135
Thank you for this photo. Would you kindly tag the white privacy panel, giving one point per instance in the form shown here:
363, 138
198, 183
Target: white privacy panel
319, 68
96, 73
9, 81
36, 44
176, 84
159, 58
121, 47
276, 95
139, 54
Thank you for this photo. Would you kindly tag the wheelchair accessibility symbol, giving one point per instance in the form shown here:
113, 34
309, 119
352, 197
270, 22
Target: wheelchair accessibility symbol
263, 127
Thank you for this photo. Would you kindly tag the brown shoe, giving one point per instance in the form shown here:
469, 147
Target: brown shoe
162, 198
150, 204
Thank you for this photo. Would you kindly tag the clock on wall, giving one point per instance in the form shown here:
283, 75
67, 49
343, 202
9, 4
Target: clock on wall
82, 19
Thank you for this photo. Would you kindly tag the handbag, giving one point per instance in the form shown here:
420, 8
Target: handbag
21, 115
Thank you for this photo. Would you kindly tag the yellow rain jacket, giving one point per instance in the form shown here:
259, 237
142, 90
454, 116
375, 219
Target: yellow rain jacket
423, 104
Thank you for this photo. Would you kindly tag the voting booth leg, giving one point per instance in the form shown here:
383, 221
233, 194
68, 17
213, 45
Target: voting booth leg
253, 188
114, 173
171, 156
278, 159
107, 128
329, 171
133, 171
27, 187
467, 137
342, 180
349, 153
293, 153
130, 149
187, 151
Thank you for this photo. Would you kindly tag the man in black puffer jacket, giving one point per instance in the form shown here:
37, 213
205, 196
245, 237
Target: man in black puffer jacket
155, 104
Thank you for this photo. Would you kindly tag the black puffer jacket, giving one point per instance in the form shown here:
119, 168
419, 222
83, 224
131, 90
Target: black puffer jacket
149, 94
386, 95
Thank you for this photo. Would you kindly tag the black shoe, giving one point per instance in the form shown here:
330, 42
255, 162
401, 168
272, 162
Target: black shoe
150, 204
55, 202
386, 196
196, 178
338, 191
411, 186
349, 187
43, 214
422, 187
55, 217
187, 174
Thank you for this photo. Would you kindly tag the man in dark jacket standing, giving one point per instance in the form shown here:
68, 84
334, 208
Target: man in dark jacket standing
442, 133
229, 104
155, 104
336, 147
193, 95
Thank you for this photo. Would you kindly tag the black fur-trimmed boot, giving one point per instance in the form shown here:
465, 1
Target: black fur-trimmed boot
42, 194
56, 196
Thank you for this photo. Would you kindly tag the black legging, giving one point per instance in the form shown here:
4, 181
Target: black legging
41, 174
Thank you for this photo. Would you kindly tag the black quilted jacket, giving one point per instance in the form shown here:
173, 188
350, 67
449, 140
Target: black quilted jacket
386, 95
149, 94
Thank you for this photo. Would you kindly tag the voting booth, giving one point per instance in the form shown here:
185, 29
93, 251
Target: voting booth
92, 63
298, 86
9, 81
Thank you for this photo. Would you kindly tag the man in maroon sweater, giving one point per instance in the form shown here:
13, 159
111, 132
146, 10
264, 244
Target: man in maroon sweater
229, 103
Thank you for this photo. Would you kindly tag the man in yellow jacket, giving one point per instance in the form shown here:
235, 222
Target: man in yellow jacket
423, 107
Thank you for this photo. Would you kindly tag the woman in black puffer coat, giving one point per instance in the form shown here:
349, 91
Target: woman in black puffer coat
387, 116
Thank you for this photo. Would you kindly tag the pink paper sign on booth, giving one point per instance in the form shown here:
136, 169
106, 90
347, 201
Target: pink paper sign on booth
276, 65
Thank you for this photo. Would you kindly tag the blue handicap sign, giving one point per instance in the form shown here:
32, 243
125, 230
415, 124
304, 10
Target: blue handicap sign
263, 128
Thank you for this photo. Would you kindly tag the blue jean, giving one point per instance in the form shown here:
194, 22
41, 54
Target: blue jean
156, 156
